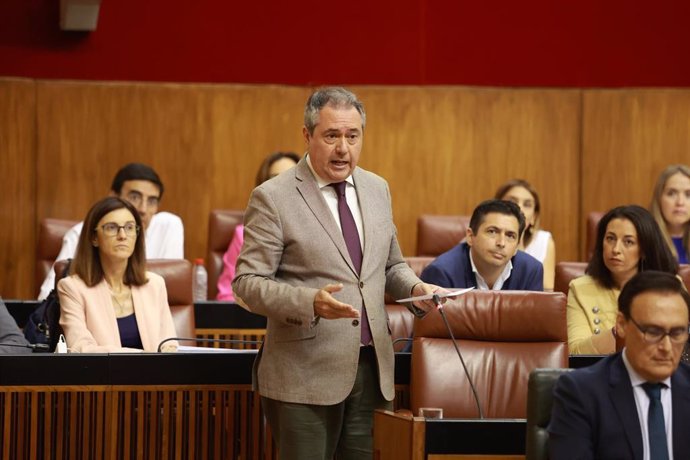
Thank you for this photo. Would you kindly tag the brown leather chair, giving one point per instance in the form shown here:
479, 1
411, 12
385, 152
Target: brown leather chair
539, 402
50, 234
400, 321
593, 219
436, 234
177, 274
565, 273
221, 227
503, 336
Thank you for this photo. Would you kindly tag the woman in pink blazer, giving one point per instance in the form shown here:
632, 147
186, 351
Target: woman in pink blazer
110, 303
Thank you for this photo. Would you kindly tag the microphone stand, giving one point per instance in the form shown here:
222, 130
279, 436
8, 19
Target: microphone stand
194, 339
439, 307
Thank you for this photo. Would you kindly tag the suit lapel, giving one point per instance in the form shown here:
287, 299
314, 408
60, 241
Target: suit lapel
621, 394
369, 209
308, 188
680, 397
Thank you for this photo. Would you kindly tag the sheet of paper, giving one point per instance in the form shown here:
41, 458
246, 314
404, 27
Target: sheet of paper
453, 293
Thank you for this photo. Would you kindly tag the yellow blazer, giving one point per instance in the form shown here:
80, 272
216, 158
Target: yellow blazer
88, 318
591, 312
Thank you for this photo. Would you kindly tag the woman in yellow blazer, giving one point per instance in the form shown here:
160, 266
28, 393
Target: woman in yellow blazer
628, 241
110, 303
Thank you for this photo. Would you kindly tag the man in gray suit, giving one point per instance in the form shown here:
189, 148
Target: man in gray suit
327, 360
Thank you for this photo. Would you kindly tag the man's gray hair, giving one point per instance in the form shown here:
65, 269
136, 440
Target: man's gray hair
334, 96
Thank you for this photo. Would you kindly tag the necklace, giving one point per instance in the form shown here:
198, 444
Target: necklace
120, 309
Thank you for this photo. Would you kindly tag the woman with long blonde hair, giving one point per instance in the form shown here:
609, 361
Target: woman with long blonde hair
671, 209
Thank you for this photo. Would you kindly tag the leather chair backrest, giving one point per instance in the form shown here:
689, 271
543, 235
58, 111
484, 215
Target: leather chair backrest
539, 402
565, 273
503, 336
177, 274
221, 228
50, 234
437, 234
593, 219
401, 322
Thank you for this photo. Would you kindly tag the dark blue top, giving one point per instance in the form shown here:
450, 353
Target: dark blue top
453, 269
682, 255
129, 332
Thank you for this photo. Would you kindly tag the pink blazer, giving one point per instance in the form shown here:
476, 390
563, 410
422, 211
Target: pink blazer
229, 262
88, 317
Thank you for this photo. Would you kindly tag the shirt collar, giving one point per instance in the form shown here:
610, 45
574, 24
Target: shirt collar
635, 378
482, 284
324, 183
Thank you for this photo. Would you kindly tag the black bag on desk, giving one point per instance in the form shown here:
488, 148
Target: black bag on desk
43, 325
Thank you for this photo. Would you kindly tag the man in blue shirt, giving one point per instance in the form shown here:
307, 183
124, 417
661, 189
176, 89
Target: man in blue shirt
489, 258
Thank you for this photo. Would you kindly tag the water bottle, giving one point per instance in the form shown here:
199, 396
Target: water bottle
200, 282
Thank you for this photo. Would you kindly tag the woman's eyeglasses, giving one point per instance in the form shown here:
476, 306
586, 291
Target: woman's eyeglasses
112, 229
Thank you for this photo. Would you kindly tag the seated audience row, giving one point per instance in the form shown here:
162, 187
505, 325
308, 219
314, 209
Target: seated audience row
141, 186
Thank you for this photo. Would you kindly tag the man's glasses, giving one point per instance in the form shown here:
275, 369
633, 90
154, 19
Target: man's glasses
653, 334
112, 229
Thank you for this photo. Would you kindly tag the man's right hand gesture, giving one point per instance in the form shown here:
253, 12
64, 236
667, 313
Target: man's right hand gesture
326, 306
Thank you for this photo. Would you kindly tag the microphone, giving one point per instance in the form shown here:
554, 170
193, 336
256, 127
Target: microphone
197, 340
36, 347
439, 307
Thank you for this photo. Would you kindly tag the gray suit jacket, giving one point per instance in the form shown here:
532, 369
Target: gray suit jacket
11, 334
292, 248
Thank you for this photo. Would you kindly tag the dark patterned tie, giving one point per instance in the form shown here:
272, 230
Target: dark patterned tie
354, 247
658, 445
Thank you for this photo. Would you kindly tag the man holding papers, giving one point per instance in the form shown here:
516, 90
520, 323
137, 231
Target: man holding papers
320, 249
489, 258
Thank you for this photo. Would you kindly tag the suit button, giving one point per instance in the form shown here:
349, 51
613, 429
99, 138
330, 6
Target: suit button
361, 284
595, 310
597, 330
355, 322
597, 321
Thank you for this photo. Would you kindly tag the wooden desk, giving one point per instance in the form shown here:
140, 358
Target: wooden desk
404, 437
130, 406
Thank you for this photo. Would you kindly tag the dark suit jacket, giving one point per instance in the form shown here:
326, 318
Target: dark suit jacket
292, 248
594, 414
453, 269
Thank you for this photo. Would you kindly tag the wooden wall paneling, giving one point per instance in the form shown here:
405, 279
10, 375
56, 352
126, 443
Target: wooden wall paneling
445, 149
629, 137
17, 200
205, 141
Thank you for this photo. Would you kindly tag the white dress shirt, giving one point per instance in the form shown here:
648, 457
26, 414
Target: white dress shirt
642, 404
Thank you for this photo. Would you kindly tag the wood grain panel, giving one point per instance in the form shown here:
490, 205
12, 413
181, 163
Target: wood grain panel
445, 149
442, 150
629, 137
18, 179
206, 142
